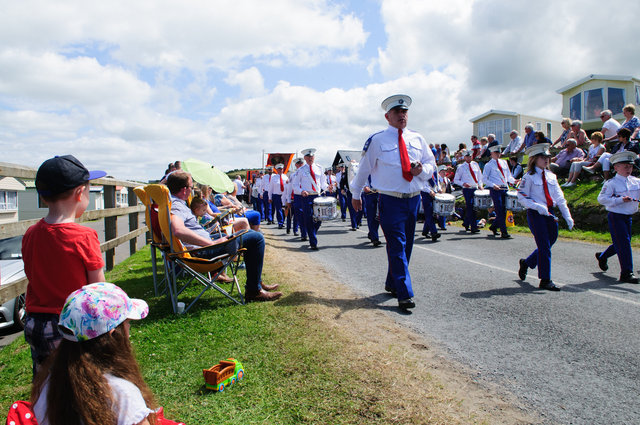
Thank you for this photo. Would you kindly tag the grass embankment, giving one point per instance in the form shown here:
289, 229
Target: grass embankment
301, 367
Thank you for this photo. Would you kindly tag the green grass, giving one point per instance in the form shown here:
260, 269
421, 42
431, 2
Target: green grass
584, 193
295, 369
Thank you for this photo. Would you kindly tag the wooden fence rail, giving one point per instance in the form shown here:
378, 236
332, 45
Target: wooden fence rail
109, 215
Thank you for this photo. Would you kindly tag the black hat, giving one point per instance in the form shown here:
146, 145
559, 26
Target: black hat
62, 173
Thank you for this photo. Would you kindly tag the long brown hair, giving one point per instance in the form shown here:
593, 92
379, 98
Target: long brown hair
531, 164
78, 390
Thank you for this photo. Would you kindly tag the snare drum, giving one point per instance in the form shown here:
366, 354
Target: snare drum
325, 208
482, 199
512, 202
444, 204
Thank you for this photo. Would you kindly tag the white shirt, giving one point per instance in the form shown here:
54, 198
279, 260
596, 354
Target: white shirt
288, 192
381, 160
293, 180
610, 127
614, 189
132, 408
274, 185
266, 180
256, 189
463, 175
306, 183
514, 145
331, 180
531, 193
491, 174
240, 186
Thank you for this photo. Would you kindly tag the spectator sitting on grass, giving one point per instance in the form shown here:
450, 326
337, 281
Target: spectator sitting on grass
515, 167
566, 125
541, 138
185, 227
609, 127
93, 377
561, 163
595, 150
631, 122
578, 134
514, 145
624, 144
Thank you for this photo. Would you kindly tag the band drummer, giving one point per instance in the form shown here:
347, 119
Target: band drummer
538, 192
620, 197
469, 176
297, 200
497, 178
310, 179
341, 198
399, 162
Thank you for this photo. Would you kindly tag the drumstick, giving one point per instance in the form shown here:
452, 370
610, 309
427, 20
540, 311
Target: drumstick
531, 199
620, 196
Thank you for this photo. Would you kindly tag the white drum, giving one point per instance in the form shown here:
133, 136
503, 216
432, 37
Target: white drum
325, 208
444, 204
512, 202
482, 199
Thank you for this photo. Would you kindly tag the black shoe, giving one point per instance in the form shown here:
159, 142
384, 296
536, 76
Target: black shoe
313, 247
295, 233
288, 231
628, 277
369, 237
522, 271
466, 228
505, 236
602, 262
426, 234
344, 219
548, 285
303, 238
391, 292
406, 304
280, 227
435, 237
376, 242
475, 231
494, 230
353, 229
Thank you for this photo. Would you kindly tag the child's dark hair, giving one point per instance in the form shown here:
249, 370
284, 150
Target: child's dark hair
197, 202
60, 196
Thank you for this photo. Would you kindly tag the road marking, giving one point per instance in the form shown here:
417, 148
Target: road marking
457, 257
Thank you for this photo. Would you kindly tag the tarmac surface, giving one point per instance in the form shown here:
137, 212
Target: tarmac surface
572, 356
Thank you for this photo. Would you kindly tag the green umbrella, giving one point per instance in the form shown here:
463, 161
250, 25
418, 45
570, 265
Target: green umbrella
208, 174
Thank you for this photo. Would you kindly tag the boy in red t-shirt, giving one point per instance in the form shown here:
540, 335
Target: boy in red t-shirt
59, 255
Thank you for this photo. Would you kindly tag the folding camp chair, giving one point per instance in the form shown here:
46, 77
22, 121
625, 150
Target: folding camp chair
156, 243
203, 270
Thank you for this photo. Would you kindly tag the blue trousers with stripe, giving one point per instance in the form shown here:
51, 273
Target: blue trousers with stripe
343, 205
276, 204
545, 232
354, 216
470, 213
499, 198
311, 226
371, 201
297, 211
398, 221
427, 206
620, 229
267, 206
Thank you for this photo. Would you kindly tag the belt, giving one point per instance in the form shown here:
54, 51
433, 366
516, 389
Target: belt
399, 194
312, 193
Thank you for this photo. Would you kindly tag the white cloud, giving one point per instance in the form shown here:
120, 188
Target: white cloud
250, 82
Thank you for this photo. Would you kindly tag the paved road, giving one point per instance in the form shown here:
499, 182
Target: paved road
573, 356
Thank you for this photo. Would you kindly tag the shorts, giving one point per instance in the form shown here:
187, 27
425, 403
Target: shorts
43, 336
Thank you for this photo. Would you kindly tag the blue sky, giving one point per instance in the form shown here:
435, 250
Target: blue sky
130, 86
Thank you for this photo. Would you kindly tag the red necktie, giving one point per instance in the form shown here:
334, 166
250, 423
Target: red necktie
500, 168
281, 184
473, 174
404, 158
313, 176
547, 195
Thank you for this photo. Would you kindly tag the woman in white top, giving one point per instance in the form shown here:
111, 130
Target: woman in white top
538, 192
595, 150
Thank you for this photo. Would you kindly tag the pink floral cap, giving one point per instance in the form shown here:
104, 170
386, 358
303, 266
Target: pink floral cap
96, 309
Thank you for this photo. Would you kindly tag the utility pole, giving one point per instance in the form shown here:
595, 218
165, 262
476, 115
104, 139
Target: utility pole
262, 167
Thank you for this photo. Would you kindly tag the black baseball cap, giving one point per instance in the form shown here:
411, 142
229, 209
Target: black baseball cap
61, 173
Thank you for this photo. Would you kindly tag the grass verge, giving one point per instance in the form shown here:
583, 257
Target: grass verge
301, 366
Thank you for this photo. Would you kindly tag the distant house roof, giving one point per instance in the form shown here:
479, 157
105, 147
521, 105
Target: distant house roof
11, 183
346, 157
597, 77
492, 111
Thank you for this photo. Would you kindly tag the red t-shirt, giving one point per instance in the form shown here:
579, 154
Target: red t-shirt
57, 258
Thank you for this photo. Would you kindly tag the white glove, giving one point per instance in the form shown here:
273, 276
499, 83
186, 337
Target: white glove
569, 221
543, 210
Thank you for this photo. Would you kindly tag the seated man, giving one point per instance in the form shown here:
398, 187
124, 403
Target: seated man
185, 227
561, 163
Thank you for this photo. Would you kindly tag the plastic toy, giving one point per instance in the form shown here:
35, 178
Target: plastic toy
225, 373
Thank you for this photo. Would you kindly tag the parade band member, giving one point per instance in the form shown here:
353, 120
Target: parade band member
297, 199
310, 178
620, 197
538, 193
342, 200
497, 178
354, 216
371, 198
266, 182
444, 186
256, 197
276, 191
469, 176
399, 162
428, 195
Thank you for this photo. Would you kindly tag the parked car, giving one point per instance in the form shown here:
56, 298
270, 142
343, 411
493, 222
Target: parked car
13, 312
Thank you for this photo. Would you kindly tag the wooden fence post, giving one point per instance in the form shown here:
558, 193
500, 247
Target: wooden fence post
133, 220
110, 223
